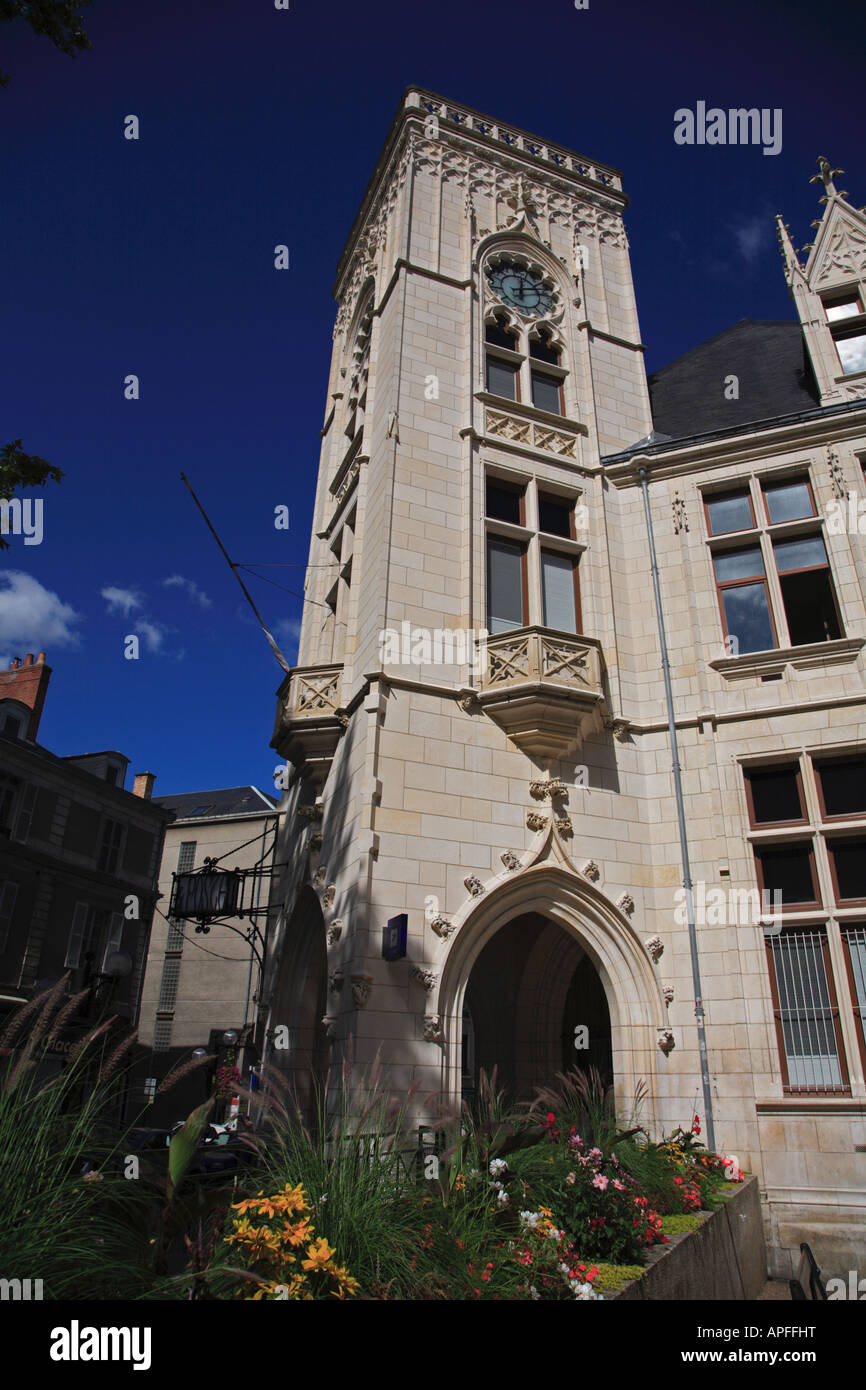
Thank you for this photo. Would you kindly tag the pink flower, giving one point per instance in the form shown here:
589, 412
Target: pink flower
570, 1180
600, 1181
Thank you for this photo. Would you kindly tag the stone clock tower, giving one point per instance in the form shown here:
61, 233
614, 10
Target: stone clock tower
457, 693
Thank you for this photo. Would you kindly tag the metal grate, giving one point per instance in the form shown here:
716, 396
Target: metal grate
186, 857
162, 1034
805, 1011
168, 984
175, 938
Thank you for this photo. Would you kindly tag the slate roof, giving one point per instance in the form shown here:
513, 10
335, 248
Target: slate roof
228, 801
767, 356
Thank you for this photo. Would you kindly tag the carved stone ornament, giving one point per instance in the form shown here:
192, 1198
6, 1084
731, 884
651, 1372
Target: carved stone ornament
427, 978
535, 821
618, 727
361, 986
468, 701
329, 1023
681, 521
336, 980
329, 895
342, 718
564, 826
626, 904
542, 789
433, 1029
311, 813
655, 946
510, 860
591, 871
666, 1041
335, 931
474, 885
837, 477
315, 840
320, 875
442, 926
668, 995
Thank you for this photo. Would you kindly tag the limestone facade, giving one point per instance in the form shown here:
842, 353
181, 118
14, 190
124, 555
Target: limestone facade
534, 787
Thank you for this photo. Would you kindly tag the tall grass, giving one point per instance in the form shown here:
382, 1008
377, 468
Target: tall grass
71, 1232
356, 1164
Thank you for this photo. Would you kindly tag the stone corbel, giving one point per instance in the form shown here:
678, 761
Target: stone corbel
427, 978
310, 813
442, 925
336, 980
335, 931
473, 885
668, 995
510, 860
564, 826
655, 946
433, 1029
591, 871
329, 895
536, 822
361, 986
666, 1041
625, 903
320, 875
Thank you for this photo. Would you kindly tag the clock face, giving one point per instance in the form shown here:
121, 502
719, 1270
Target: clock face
523, 289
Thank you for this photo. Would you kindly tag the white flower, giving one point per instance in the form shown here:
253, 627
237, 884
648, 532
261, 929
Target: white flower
533, 1292
502, 1197
530, 1219
497, 1166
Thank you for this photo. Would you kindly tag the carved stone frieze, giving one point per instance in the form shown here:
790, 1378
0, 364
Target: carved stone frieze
474, 885
442, 925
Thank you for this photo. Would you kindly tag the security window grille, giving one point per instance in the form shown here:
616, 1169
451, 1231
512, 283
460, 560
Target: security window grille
186, 856
854, 942
8, 894
807, 1019
175, 939
168, 985
162, 1034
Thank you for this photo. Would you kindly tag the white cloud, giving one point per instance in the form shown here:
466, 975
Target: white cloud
34, 617
177, 581
121, 600
287, 630
151, 632
753, 235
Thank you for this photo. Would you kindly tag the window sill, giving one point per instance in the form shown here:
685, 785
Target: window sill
531, 412
804, 658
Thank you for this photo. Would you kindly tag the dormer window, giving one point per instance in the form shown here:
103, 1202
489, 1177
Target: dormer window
845, 314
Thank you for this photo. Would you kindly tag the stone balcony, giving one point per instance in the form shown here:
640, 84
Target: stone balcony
543, 689
310, 719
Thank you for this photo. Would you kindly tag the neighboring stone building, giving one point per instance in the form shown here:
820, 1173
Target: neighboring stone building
488, 433
78, 863
198, 986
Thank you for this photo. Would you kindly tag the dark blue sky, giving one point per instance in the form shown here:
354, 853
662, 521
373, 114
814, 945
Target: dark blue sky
155, 257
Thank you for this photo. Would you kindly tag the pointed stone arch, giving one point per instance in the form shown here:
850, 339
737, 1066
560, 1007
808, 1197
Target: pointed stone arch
300, 999
634, 998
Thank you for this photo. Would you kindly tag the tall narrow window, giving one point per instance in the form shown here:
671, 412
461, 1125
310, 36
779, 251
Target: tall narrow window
742, 585
8, 895
854, 942
807, 1018
559, 591
506, 585
79, 934
546, 386
112, 838
502, 378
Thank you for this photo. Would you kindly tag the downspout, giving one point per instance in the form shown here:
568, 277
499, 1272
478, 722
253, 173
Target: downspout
681, 819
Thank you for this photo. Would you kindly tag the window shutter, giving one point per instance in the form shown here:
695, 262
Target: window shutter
8, 894
77, 934
115, 936
25, 814
557, 573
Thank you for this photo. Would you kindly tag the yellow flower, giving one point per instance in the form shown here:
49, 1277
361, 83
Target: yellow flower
319, 1252
297, 1234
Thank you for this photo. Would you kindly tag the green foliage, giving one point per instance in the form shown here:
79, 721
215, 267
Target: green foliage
18, 469
612, 1278
57, 20
681, 1221
184, 1145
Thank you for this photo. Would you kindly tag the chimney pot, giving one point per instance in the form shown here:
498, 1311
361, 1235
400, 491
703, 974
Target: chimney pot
28, 660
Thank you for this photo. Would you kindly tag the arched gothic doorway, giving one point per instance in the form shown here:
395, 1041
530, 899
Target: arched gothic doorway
534, 1005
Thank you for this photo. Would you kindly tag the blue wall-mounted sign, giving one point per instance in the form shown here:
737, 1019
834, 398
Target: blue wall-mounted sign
394, 937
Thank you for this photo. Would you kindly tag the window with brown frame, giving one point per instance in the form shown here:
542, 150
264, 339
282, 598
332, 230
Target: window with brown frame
546, 392
788, 870
854, 945
555, 516
806, 1013
775, 795
560, 591
507, 592
503, 379
744, 599
789, 499
505, 501
847, 855
500, 335
841, 786
729, 511
807, 590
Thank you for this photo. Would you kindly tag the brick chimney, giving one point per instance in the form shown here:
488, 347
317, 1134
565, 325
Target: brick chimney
143, 784
28, 684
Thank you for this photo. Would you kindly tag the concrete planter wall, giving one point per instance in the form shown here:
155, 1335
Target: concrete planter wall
725, 1258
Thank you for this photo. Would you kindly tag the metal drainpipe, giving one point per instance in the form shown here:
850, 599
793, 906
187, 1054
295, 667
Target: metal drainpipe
681, 819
